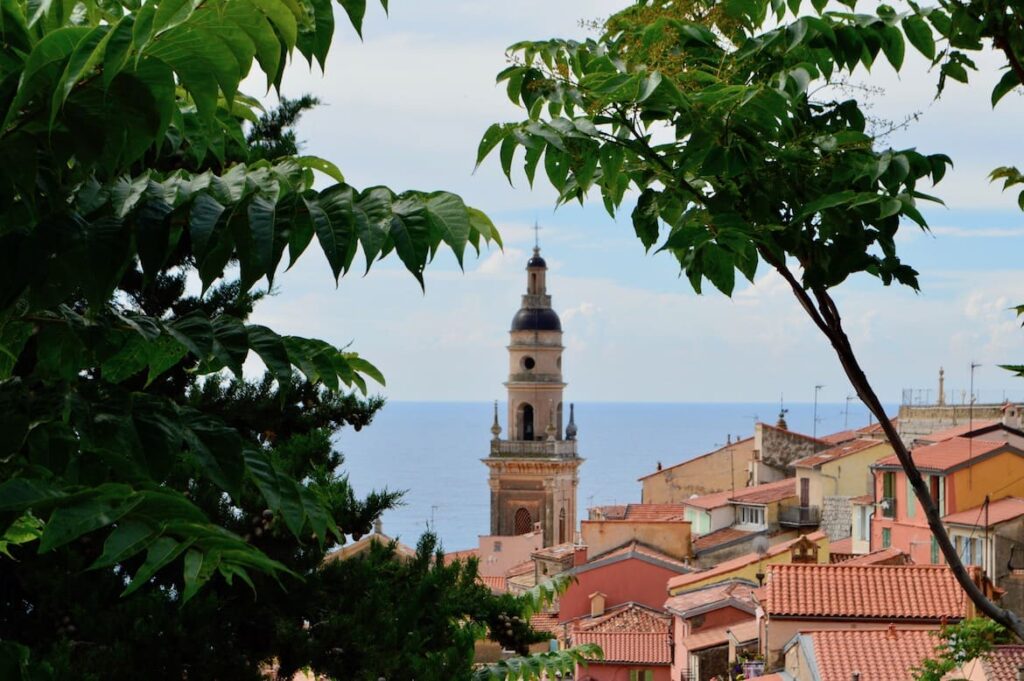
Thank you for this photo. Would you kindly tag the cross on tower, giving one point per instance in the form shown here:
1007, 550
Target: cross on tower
536, 234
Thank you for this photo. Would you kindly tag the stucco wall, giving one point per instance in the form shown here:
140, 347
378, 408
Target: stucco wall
997, 477
621, 582
780, 448
511, 551
671, 538
723, 469
836, 517
917, 421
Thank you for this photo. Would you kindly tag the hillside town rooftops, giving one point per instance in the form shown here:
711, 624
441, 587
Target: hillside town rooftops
743, 632
720, 538
556, 552
837, 452
854, 433
876, 654
1009, 508
711, 501
949, 455
888, 592
1001, 663
635, 549
888, 556
497, 583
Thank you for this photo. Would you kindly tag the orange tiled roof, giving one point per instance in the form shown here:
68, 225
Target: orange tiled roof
524, 568
631, 633
709, 501
878, 654
654, 511
545, 621
854, 433
743, 631
698, 598
904, 592
948, 454
745, 441
998, 512
497, 584
889, 556
453, 556
767, 493
717, 538
957, 431
556, 552
730, 566
837, 452
841, 546
1002, 662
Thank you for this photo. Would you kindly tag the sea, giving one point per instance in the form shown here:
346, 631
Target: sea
432, 450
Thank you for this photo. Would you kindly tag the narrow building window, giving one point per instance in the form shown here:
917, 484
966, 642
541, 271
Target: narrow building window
886, 537
523, 521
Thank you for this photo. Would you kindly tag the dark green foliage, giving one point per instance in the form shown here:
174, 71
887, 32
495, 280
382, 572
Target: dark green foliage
273, 135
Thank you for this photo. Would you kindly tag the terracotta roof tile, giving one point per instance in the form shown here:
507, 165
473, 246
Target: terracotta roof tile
617, 512
998, 512
854, 433
743, 631
948, 453
879, 655
904, 592
545, 622
556, 552
726, 568
1002, 662
631, 633
654, 511
698, 598
497, 584
453, 556
710, 501
838, 452
525, 568
725, 535
766, 493
841, 546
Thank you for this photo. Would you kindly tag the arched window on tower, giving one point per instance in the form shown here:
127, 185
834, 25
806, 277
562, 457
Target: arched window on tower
523, 521
526, 419
558, 421
533, 282
561, 526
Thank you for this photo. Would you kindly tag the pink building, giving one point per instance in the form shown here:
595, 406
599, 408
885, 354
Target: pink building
711, 626
632, 573
636, 641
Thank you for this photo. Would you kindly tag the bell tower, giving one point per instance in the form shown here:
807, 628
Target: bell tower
533, 472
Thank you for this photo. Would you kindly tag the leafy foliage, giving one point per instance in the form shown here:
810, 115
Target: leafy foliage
128, 172
539, 665
960, 643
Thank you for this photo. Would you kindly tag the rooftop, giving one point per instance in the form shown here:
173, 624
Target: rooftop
1002, 662
630, 633
639, 512
838, 452
466, 554
743, 632
699, 599
854, 433
877, 654
889, 556
710, 501
1000, 511
950, 454
497, 584
726, 568
767, 493
726, 535
841, 590
556, 552
979, 426
635, 549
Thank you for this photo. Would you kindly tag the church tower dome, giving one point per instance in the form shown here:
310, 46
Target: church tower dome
533, 473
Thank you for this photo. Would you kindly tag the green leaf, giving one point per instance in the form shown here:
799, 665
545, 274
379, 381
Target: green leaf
892, 46
161, 552
230, 342
356, 10
448, 217
199, 568
410, 232
270, 347
323, 165
1007, 83
334, 222
494, 135
718, 266
70, 522
19, 494
127, 539
645, 218
920, 35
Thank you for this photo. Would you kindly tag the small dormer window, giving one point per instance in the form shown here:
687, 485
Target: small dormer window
750, 516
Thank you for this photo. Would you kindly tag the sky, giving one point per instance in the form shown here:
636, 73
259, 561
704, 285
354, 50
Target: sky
406, 107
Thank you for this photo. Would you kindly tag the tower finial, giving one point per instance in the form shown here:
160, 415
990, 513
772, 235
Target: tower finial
781, 423
536, 235
496, 427
570, 430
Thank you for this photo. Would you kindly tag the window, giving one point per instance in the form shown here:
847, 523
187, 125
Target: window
864, 523
889, 494
529, 363
641, 675
523, 521
937, 489
497, 547
751, 515
935, 552
886, 537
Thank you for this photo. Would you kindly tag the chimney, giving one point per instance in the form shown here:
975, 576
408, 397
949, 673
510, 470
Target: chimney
579, 556
891, 632
855, 676
597, 604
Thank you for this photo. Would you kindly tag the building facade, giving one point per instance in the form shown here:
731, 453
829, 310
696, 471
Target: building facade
534, 470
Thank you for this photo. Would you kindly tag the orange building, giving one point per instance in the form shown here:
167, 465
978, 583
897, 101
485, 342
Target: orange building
961, 473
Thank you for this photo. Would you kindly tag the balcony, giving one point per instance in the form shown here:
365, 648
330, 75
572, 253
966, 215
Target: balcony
800, 516
887, 505
537, 449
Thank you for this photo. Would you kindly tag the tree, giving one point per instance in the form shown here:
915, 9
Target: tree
744, 150
128, 494
959, 644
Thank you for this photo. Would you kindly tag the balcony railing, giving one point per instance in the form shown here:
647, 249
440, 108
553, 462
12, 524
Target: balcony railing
888, 507
800, 516
536, 449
